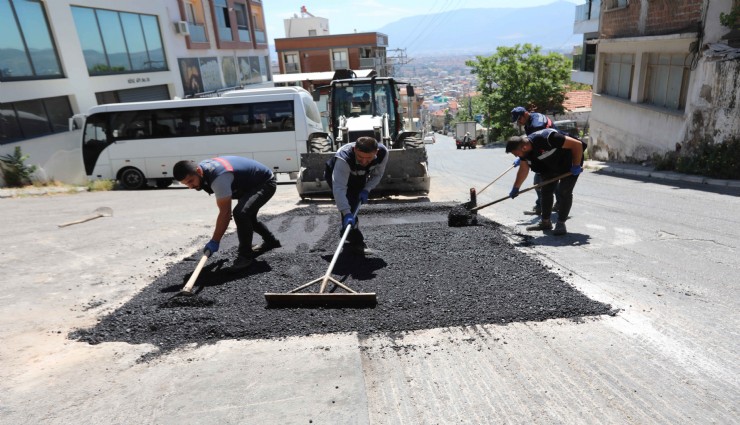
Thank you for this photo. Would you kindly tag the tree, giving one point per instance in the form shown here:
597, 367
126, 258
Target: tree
519, 76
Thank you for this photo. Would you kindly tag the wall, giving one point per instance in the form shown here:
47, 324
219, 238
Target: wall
630, 130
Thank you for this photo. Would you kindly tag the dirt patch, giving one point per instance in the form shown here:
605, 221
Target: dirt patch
426, 275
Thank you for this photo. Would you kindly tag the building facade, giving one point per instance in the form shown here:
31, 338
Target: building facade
658, 85
365, 51
59, 58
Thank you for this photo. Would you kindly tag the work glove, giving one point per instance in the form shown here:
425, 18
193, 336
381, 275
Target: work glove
348, 220
363, 196
517, 161
514, 192
576, 170
211, 247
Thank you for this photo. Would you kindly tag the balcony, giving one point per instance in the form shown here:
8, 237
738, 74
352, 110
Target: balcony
367, 63
260, 37
244, 34
197, 33
588, 11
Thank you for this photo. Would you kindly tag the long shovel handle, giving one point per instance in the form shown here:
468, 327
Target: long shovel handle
326, 277
494, 181
554, 179
82, 220
188, 288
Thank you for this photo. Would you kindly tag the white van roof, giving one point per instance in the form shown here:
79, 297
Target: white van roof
265, 90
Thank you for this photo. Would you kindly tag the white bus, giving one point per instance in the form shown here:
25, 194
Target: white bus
138, 143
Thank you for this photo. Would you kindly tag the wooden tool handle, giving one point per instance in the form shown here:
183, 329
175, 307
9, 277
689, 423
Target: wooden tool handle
92, 217
189, 285
562, 176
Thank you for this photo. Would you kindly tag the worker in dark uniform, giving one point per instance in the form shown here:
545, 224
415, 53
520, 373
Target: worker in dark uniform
551, 154
352, 173
232, 177
533, 121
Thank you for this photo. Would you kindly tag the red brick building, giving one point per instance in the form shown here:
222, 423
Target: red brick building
332, 52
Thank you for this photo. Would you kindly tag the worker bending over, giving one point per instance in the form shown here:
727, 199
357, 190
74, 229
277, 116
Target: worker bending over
354, 171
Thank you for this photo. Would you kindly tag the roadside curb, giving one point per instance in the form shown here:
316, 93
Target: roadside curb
637, 170
39, 191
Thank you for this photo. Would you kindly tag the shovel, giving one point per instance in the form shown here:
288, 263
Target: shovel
462, 216
187, 290
99, 212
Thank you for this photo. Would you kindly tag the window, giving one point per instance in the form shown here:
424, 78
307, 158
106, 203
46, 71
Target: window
618, 70
27, 51
615, 4
339, 59
223, 23
196, 26
240, 10
129, 42
239, 118
33, 118
667, 80
291, 62
258, 22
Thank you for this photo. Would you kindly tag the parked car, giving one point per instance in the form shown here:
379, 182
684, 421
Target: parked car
430, 139
568, 127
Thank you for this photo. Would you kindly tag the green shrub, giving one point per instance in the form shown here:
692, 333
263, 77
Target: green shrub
716, 160
15, 171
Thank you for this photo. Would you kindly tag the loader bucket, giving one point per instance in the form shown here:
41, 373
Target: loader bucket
405, 174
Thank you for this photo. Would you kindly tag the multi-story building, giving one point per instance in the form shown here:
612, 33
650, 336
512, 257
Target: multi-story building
61, 57
661, 78
584, 56
364, 51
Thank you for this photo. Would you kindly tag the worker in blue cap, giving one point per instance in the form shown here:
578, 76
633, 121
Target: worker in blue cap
533, 121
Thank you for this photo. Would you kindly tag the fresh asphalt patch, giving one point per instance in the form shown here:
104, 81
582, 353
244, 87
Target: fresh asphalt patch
425, 273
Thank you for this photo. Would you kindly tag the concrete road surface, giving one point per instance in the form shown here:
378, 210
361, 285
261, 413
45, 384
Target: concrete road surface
665, 255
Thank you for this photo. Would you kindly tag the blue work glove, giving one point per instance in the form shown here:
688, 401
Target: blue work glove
348, 220
514, 192
211, 246
363, 196
517, 161
576, 170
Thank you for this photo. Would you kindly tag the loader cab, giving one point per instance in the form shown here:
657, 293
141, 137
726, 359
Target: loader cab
363, 101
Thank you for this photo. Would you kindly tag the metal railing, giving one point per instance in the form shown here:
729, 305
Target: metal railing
341, 65
260, 37
197, 32
291, 68
366, 63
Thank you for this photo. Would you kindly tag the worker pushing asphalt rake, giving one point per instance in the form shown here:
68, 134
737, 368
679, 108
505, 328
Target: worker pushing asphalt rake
466, 214
351, 298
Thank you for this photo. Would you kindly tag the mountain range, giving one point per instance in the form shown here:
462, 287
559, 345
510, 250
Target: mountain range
481, 30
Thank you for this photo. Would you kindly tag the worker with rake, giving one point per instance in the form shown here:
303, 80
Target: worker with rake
251, 183
354, 171
552, 154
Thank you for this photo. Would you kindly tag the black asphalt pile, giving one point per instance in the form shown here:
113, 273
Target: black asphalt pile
461, 216
426, 275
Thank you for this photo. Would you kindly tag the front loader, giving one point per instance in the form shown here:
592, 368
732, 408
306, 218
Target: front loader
367, 107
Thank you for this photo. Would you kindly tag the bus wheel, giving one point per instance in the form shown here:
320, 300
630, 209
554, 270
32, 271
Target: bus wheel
163, 183
132, 179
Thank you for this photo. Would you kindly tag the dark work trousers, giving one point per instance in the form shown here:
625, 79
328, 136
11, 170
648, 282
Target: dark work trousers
565, 195
355, 236
537, 180
245, 216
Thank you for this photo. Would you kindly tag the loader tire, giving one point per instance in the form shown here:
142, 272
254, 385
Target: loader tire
319, 145
413, 143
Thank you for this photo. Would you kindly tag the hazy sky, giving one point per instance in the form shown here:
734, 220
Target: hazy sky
346, 16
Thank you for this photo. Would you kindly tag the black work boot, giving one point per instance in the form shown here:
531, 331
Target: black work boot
266, 245
242, 262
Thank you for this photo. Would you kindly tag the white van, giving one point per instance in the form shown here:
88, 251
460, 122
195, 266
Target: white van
139, 143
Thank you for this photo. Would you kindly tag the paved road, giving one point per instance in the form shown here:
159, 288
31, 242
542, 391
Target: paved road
665, 254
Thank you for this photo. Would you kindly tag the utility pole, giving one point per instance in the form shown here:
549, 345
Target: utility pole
396, 61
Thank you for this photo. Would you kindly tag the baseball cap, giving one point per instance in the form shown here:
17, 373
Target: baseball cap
517, 112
